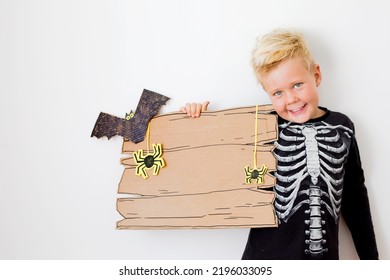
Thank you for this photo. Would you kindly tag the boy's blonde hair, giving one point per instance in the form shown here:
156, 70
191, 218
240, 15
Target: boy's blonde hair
276, 47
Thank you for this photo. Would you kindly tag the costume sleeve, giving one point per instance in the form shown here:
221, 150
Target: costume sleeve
356, 207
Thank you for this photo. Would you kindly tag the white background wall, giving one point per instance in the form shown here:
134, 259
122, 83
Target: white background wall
62, 62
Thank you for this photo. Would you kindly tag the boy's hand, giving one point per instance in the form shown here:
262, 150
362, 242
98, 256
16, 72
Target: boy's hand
194, 109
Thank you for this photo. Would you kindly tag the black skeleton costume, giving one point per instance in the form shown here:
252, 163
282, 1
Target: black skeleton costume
319, 176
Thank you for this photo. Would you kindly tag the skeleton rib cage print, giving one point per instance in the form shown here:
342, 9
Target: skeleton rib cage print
310, 176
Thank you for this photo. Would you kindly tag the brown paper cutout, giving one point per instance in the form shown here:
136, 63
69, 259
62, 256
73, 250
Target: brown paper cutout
203, 183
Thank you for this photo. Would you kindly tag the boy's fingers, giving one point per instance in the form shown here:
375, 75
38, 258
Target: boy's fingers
186, 109
194, 109
205, 105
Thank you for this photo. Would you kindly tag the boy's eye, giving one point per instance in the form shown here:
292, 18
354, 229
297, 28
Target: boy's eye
298, 85
277, 93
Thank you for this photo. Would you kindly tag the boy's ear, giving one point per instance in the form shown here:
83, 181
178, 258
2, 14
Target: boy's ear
317, 74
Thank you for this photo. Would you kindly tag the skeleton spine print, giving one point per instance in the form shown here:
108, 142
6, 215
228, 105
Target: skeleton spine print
310, 176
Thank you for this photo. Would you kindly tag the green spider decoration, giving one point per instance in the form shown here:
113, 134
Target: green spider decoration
148, 161
255, 174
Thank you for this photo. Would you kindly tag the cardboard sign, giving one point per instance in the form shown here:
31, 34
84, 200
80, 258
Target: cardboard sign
200, 173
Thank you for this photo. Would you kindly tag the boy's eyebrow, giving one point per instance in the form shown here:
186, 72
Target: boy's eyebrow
296, 81
275, 89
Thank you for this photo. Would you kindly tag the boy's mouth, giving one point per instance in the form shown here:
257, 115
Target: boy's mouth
297, 110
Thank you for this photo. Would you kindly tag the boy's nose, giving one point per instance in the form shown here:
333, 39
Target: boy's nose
291, 97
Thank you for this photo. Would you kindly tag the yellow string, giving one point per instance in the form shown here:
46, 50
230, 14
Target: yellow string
255, 150
148, 138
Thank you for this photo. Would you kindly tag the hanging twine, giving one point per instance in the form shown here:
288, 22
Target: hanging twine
255, 150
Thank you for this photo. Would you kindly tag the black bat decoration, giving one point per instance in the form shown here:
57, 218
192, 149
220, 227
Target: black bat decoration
135, 128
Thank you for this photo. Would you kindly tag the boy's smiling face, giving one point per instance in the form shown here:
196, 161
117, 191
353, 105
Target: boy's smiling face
292, 89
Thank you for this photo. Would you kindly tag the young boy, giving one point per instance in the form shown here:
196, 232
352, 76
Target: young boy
319, 173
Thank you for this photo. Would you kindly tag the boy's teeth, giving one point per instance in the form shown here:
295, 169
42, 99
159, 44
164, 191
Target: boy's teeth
296, 110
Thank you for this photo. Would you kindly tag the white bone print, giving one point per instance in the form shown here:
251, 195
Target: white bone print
314, 154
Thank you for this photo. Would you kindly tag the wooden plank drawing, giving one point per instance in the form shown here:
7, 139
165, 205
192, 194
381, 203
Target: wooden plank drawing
201, 180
